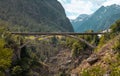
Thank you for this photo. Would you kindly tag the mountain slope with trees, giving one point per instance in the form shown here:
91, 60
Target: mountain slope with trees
35, 15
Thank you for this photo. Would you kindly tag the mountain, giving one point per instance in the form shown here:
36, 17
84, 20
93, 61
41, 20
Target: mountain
35, 15
79, 20
100, 20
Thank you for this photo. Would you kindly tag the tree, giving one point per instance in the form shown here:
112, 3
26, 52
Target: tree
6, 53
115, 27
76, 48
5, 56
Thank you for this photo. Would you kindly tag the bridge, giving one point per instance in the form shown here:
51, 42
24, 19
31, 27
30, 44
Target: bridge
67, 34
53, 33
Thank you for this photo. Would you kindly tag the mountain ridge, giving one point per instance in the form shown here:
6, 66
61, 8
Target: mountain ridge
100, 20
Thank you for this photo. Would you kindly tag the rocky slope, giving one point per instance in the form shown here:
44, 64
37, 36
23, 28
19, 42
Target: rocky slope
100, 20
35, 15
104, 62
63, 62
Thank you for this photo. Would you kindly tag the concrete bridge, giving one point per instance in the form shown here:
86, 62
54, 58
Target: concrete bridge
67, 34
53, 33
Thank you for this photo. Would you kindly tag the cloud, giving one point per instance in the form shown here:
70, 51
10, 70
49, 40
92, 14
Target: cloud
77, 6
74, 8
63, 1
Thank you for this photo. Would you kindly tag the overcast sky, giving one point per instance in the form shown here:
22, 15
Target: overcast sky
74, 8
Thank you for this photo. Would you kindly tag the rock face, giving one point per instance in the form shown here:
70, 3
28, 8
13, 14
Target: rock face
100, 20
35, 15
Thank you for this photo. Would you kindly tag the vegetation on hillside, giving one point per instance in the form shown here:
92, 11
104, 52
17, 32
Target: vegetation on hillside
15, 61
114, 31
78, 46
109, 46
6, 53
35, 16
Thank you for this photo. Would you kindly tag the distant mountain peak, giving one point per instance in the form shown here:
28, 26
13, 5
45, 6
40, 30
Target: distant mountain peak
99, 20
82, 16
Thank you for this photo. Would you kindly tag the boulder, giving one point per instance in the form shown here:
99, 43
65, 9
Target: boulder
93, 59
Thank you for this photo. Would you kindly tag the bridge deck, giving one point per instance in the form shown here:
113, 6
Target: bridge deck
53, 33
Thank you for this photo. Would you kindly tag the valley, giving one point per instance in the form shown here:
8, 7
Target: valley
38, 39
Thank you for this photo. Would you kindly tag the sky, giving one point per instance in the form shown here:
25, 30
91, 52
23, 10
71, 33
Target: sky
74, 8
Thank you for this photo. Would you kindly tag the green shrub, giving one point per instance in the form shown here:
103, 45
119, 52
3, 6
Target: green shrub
115, 28
76, 48
115, 68
85, 73
115, 71
116, 46
94, 71
5, 55
2, 74
70, 42
104, 39
16, 71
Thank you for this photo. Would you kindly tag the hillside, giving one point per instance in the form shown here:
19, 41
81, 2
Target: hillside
100, 20
35, 15
106, 65
105, 59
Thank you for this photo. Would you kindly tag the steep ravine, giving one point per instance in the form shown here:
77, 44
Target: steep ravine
105, 57
58, 62
64, 63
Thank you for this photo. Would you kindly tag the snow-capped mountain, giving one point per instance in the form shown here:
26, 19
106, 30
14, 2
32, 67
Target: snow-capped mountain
98, 21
